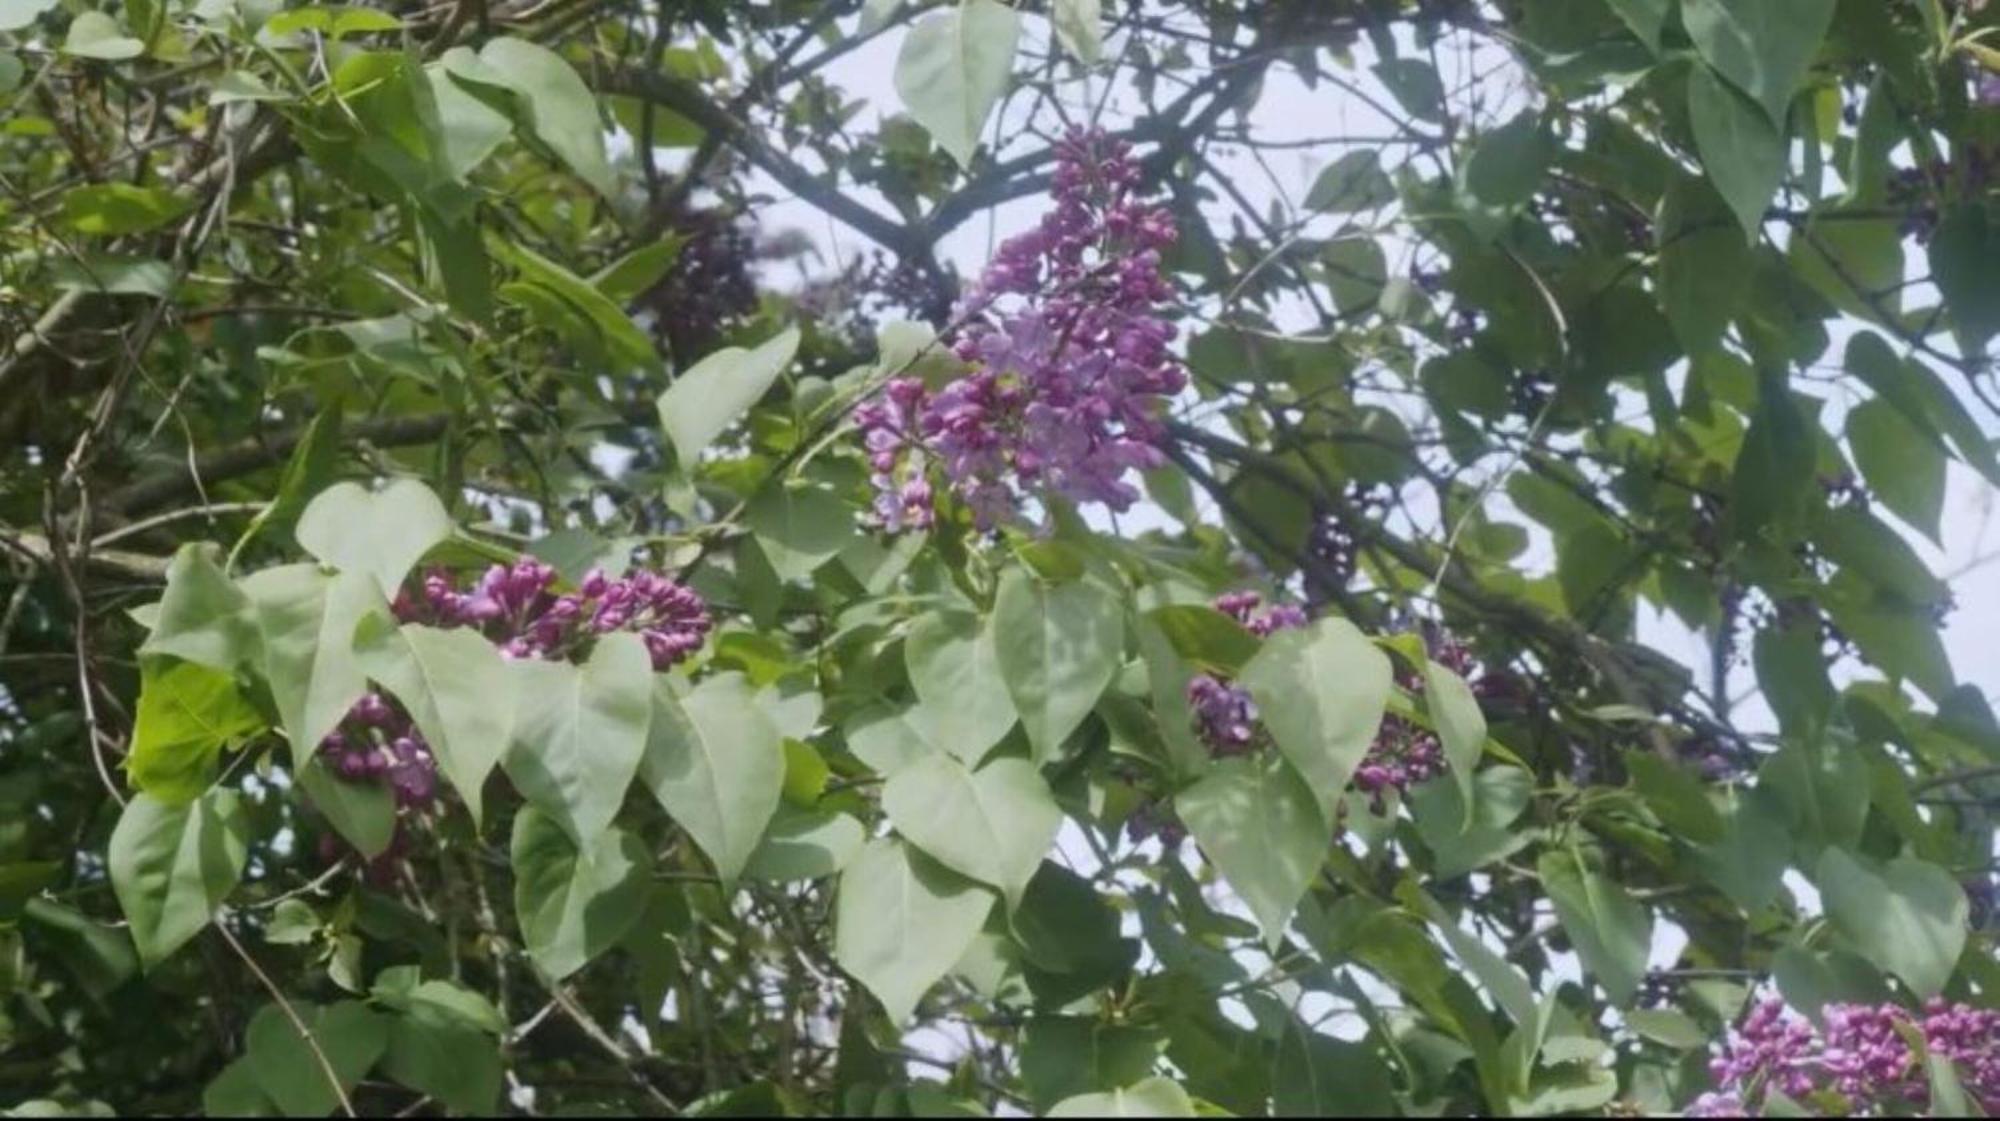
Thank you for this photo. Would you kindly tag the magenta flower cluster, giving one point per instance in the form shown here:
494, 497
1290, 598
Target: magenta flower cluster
1861, 1058
518, 608
1224, 716
1069, 361
376, 742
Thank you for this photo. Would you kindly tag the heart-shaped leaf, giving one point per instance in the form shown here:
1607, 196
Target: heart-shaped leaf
382, 533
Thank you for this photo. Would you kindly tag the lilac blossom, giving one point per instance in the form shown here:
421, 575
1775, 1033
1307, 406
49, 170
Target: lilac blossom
1069, 362
1225, 719
377, 742
1861, 1058
519, 608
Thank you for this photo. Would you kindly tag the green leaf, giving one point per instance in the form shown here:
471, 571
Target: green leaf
1058, 647
1459, 723
97, 35
954, 66
580, 732
1743, 152
285, 1066
1352, 183
574, 904
1965, 265
715, 762
805, 845
468, 128
1902, 464
187, 714
703, 402
1155, 1097
800, 527
1703, 265
993, 824
1356, 271
1822, 784
364, 812
1508, 163
112, 273
242, 85
1080, 26
1749, 863
1063, 1056
1205, 636
955, 671
1916, 390
1855, 262
1676, 797
1320, 1076
457, 1065
172, 866
901, 922
235, 1093
1810, 980
306, 621
1668, 1027
1415, 86
383, 534
1774, 471
1612, 932
1908, 915
448, 681
1763, 48
583, 314
203, 617
1646, 18
557, 105
113, 209
1321, 691
335, 21
1260, 825
632, 275
17, 14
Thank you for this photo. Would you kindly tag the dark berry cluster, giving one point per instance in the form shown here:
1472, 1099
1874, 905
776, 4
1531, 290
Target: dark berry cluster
1917, 191
709, 286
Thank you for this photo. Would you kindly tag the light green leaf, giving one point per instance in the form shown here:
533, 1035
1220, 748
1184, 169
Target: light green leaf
363, 812
17, 14
901, 922
703, 402
1057, 647
285, 1067
1909, 915
800, 527
994, 824
112, 209
242, 85
332, 20
383, 534
1903, 465
306, 621
1459, 724
1155, 1097
579, 733
574, 905
558, 106
954, 66
890, 739
97, 35
716, 763
1080, 26
203, 617
454, 1064
112, 273
468, 128
955, 671
1743, 152
1764, 48
630, 276
1612, 932
806, 845
1258, 822
1703, 264
187, 714
172, 866
1354, 182
1321, 691
453, 684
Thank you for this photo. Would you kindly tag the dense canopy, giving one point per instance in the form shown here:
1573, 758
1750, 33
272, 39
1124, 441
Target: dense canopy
955, 557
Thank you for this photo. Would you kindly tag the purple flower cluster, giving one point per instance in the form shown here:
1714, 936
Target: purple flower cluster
1402, 756
377, 742
519, 609
1861, 1058
1069, 360
1248, 609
